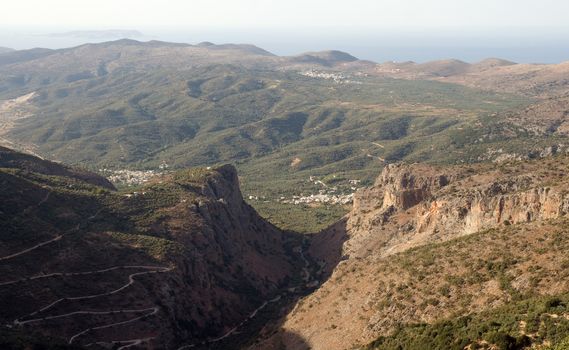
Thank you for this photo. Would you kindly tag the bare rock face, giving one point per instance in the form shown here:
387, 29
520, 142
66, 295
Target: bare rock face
479, 211
401, 187
403, 178
411, 205
236, 253
398, 188
416, 205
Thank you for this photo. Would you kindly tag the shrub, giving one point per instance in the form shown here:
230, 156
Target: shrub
505, 341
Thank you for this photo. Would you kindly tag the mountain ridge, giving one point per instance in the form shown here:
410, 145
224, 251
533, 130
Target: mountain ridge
183, 259
130, 105
423, 245
458, 195
325, 55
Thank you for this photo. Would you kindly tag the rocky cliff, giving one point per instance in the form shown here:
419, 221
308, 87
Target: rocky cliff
400, 257
412, 205
180, 261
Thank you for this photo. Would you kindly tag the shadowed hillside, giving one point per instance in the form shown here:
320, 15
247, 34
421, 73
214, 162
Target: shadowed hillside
459, 243
181, 260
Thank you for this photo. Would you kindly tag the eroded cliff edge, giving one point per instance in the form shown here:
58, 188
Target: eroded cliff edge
176, 262
411, 205
398, 257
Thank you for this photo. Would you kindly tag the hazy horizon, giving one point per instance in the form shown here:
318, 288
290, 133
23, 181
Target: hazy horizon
526, 31
521, 45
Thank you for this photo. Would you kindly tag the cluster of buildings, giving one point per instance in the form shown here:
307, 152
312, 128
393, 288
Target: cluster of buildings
338, 78
129, 177
326, 195
322, 198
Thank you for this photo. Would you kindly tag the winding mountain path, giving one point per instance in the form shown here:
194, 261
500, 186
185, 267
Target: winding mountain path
44, 199
57, 238
39, 245
234, 329
74, 337
128, 343
111, 312
131, 280
306, 276
60, 274
307, 280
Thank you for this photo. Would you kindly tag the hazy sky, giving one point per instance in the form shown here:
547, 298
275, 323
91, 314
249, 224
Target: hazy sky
285, 13
380, 30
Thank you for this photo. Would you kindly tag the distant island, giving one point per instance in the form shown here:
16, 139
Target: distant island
5, 49
99, 34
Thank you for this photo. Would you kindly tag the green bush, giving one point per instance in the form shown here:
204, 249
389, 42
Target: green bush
504, 341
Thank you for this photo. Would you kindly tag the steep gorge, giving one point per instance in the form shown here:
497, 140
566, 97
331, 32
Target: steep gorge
398, 258
179, 261
184, 262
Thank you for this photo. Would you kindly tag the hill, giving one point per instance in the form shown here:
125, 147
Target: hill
9, 57
179, 261
464, 249
443, 68
133, 104
443, 258
535, 80
492, 63
10, 159
325, 116
324, 58
547, 117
